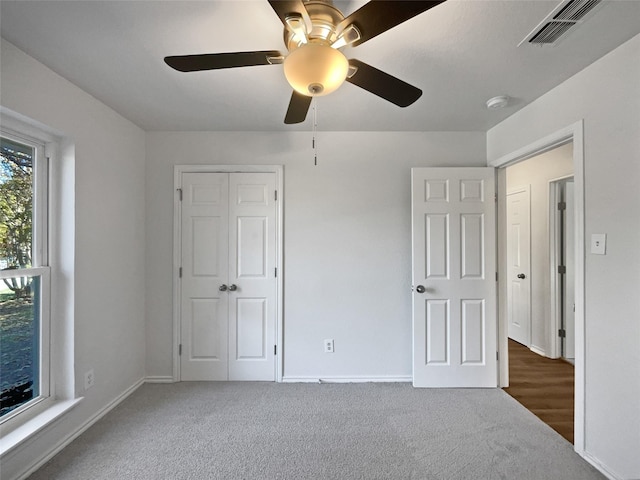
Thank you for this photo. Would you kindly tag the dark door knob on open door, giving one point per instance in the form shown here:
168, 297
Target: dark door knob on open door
233, 288
420, 289
222, 288
521, 276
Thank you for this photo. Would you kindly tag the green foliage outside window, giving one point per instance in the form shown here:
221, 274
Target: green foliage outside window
16, 211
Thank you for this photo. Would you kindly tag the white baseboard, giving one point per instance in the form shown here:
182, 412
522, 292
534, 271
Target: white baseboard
600, 467
159, 379
340, 379
63, 442
537, 350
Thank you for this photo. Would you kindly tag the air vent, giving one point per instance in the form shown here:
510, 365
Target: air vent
575, 10
560, 21
551, 32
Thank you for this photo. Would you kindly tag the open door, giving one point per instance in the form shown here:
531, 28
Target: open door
519, 265
454, 277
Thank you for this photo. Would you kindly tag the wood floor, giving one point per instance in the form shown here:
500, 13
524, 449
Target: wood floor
544, 386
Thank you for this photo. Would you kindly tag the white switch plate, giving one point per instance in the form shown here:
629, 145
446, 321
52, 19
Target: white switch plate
599, 243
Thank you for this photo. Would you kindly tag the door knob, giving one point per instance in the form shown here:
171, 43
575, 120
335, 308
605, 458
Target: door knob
521, 275
222, 288
420, 289
233, 287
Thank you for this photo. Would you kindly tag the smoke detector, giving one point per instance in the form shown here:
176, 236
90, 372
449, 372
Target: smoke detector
495, 103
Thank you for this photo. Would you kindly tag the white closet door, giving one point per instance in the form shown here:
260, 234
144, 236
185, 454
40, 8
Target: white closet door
205, 247
252, 276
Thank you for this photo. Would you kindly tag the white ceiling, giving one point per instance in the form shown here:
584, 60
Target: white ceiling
460, 54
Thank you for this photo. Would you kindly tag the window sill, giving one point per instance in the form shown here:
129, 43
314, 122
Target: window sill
25, 431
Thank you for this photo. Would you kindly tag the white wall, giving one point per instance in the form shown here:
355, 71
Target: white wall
607, 96
107, 278
536, 173
347, 240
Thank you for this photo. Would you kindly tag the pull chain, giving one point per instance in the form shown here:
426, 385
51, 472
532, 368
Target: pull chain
315, 129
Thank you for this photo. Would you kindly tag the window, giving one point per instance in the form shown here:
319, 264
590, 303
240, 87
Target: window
24, 275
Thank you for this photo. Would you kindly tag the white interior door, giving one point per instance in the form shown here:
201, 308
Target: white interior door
205, 249
252, 276
454, 277
228, 285
519, 266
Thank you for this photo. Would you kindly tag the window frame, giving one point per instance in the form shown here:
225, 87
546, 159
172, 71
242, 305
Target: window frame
41, 203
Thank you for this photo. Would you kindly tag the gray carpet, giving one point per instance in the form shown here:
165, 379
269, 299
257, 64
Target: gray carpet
317, 431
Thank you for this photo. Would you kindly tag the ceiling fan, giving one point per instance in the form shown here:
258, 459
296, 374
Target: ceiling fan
315, 34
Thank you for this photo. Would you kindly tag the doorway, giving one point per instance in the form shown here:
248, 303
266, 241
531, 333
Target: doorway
531, 238
536, 286
227, 291
547, 338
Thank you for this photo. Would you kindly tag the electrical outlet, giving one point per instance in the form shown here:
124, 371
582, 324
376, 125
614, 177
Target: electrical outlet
328, 345
89, 379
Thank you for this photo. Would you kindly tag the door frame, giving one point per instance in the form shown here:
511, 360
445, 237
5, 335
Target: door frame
178, 170
572, 133
554, 247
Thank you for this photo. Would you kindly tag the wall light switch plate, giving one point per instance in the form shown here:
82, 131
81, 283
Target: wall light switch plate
599, 243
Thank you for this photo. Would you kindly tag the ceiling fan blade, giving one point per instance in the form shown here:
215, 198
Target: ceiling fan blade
215, 61
378, 16
383, 85
298, 108
285, 8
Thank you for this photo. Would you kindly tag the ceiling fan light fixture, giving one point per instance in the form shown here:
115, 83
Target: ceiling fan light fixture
315, 69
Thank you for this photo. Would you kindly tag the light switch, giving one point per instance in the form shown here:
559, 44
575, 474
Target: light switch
598, 243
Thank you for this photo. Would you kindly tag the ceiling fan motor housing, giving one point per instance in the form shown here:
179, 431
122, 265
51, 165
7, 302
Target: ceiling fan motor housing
324, 20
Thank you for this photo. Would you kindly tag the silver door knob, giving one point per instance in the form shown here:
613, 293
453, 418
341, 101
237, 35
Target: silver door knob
233, 287
222, 288
521, 276
420, 289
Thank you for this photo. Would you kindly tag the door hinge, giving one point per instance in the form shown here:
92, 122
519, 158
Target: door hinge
496, 276
562, 333
275, 195
180, 272
562, 205
562, 269
497, 355
179, 193
275, 272
275, 349
180, 350
495, 197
